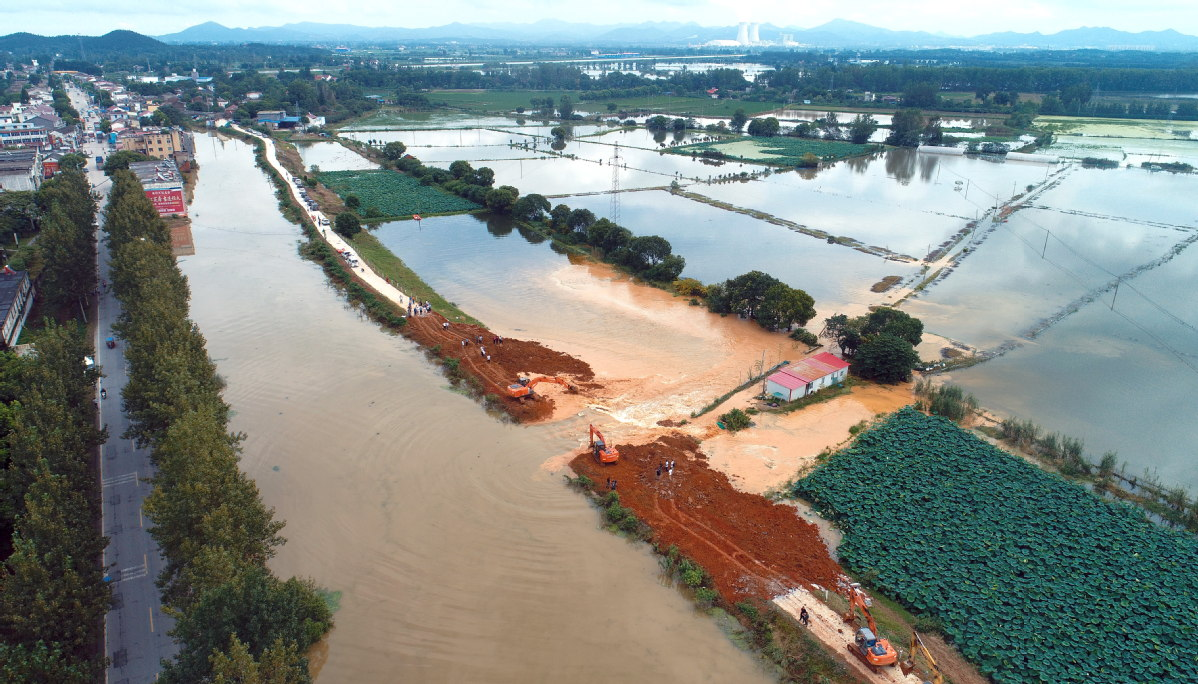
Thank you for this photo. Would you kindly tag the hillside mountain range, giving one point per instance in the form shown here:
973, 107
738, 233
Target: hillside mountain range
838, 33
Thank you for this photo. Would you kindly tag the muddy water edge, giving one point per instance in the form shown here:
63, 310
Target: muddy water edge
458, 557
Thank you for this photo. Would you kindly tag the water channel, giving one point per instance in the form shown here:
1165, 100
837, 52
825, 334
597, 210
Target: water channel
460, 558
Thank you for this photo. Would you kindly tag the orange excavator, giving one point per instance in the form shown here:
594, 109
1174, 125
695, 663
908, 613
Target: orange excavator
604, 453
909, 664
524, 388
871, 649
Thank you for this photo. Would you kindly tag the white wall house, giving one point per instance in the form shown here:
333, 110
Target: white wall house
812, 374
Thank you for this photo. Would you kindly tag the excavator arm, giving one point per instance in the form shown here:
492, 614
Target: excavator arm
917, 646
524, 387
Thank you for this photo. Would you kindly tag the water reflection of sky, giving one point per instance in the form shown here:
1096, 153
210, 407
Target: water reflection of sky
1093, 374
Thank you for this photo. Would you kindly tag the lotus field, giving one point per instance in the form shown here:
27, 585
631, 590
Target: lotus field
1035, 578
393, 193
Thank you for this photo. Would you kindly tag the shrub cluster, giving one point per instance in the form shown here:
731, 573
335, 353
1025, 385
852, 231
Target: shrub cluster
209, 519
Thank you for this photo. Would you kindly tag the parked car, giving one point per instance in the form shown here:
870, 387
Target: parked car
111, 342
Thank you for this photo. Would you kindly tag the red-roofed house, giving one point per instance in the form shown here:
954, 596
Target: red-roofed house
799, 379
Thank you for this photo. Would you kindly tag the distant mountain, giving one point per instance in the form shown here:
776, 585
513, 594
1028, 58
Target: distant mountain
75, 47
1097, 38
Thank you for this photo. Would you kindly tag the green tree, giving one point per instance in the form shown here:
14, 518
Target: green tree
861, 128
765, 128
933, 132
347, 224
120, 160
484, 177
394, 151
530, 208
461, 169
72, 162
280, 664
565, 107
739, 118
885, 358
784, 306
42, 662
559, 218
258, 610
644, 252
920, 95
353, 202
905, 128
608, 236
580, 220
501, 200
894, 322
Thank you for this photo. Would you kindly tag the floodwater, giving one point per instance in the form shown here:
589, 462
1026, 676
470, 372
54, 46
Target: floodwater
1130, 226
458, 557
1114, 367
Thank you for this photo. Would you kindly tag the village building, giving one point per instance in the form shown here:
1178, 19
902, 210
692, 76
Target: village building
163, 185
165, 143
20, 170
797, 380
16, 298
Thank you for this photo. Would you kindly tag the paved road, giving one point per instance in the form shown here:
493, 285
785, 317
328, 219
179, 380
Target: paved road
135, 629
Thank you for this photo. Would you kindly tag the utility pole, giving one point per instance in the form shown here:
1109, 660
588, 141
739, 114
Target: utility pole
1117, 281
1044, 249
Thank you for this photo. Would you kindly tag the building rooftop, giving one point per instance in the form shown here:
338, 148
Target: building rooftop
808, 370
157, 171
10, 285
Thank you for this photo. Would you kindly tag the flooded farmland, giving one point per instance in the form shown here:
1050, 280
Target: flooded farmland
1039, 285
458, 557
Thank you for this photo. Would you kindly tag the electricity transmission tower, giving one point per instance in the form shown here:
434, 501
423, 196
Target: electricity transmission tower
614, 210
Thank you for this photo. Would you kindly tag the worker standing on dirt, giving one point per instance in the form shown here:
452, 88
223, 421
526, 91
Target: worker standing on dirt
804, 617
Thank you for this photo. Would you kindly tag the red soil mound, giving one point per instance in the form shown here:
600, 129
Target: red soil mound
753, 547
508, 360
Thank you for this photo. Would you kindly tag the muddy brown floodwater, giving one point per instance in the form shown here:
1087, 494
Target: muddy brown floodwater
458, 557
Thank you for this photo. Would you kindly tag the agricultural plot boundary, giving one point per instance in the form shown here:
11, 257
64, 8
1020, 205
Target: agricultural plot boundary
1035, 578
393, 194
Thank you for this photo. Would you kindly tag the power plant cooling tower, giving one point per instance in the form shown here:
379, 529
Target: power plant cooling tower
742, 34
754, 33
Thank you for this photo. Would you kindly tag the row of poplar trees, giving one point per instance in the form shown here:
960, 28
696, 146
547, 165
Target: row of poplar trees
53, 597
235, 621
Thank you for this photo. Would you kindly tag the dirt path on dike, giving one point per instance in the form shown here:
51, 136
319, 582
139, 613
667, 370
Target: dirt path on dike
510, 359
753, 548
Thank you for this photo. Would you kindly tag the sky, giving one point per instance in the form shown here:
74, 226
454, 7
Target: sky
94, 17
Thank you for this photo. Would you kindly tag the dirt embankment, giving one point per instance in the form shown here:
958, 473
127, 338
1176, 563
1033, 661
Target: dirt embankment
510, 359
751, 546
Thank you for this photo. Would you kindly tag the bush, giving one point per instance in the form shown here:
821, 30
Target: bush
735, 420
805, 336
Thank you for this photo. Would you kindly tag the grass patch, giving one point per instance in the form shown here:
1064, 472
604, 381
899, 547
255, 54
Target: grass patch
783, 151
391, 267
393, 193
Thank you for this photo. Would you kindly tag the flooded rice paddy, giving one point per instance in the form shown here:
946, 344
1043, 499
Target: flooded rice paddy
1123, 369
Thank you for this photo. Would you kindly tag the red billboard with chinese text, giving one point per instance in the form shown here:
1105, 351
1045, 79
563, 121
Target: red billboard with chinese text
167, 201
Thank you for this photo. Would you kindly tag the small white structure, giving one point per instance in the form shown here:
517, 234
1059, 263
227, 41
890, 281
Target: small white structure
804, 377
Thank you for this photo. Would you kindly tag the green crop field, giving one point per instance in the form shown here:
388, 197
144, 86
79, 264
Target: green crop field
1035, 578
778, 150
393, 193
